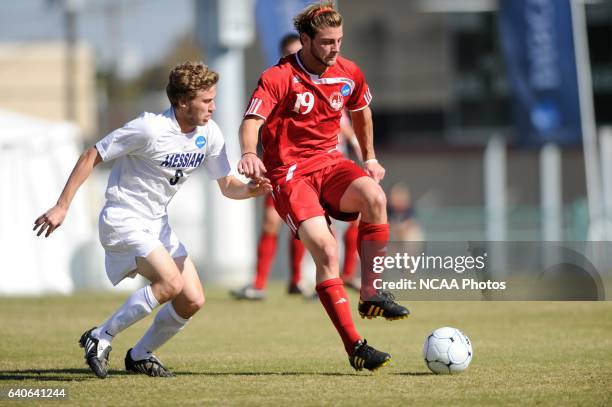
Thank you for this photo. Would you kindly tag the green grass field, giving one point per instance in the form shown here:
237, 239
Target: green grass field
284, 351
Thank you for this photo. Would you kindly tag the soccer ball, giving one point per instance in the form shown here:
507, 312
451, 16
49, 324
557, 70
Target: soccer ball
447, 351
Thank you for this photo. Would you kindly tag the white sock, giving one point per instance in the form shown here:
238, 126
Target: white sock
139, 305
167, 323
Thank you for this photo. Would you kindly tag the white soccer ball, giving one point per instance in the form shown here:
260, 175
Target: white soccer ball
447, 351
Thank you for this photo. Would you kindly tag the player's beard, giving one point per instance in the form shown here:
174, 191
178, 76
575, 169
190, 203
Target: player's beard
321, 60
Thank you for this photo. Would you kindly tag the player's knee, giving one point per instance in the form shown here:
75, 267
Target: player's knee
376, 203
200, 301
171, 287
379, 200
196, 303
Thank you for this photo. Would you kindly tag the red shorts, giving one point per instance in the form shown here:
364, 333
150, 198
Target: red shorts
316, 194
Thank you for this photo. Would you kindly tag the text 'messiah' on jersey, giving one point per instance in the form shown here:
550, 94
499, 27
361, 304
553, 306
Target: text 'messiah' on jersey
302, 112
153, 158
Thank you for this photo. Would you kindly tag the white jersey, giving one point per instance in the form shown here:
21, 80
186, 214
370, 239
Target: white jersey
154, 158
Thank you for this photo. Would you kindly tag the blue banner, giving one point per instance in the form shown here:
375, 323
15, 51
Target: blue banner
274, 21
538, 46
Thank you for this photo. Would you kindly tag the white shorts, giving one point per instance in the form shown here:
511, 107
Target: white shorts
125, 236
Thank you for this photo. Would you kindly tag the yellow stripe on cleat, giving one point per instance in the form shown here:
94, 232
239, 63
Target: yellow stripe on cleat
383, 364
397, 318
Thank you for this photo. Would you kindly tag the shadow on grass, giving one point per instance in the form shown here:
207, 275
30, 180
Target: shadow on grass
414, 374
79, 375
53, 375
364, 373
182, 373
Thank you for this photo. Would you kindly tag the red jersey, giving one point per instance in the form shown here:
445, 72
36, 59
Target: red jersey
302, 113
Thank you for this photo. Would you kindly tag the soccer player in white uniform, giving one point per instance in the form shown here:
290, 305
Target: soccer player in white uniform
154, 155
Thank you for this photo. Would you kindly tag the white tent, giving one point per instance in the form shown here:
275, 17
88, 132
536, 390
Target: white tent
36, 157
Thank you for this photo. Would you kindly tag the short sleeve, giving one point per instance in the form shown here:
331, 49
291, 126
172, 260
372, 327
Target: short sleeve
217, 164
361, 96
266, 95
130, 138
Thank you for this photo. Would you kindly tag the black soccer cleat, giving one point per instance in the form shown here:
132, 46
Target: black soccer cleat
365, 356
97, 363
150, 366
382, 305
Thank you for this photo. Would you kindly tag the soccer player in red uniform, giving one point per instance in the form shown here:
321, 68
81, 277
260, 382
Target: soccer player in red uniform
271, 223
298, 106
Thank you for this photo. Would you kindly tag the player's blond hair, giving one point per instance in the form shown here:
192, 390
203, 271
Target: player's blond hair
315, 17
186, 79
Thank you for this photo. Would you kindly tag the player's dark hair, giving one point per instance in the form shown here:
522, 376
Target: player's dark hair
186, 79
315, 17
286, 40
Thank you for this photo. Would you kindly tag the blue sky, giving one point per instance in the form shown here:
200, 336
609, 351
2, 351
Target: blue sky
146, 28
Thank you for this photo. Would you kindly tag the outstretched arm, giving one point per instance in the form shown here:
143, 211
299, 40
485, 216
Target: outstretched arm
364, 130
232, 187
250, 165
54, 217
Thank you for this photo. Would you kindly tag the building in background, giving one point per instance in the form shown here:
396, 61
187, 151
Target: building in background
34, 80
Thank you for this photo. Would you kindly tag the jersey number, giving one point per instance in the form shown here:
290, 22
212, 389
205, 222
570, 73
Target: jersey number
177, 176
304, 99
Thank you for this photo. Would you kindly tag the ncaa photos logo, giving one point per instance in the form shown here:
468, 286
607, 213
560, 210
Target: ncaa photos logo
200, 141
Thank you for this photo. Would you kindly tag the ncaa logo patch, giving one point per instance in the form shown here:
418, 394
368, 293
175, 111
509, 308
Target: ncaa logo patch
346, 90
200, 141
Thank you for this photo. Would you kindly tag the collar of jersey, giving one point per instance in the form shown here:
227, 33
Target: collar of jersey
313, 76
172, 116
317, 80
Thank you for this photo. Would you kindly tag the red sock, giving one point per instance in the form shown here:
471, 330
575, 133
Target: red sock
350, 251
266, 250
297, 254
371, 242
335, 301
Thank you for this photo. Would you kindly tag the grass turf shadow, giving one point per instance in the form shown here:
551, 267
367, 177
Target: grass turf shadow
83, 374
51, 375
334, 374
414, 374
